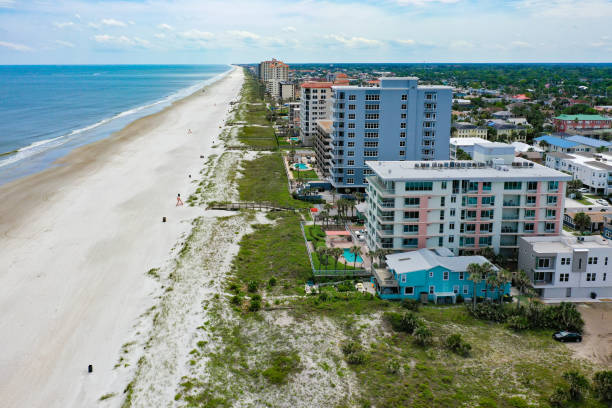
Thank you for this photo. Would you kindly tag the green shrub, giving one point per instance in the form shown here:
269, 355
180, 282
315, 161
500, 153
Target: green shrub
410, 304
323, 296
256, 297
602, 385
457, 345
577, 383
393, 367
355, 358
459, 299
518, 323
255, 305
345, 287
406, 322
517, 402
272, 282
282, 364
236, 300
559, 398
422, 335
252, 286
488, 311
351, 347
353, 353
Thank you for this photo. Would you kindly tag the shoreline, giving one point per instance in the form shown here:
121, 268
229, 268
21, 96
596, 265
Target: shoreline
78, 239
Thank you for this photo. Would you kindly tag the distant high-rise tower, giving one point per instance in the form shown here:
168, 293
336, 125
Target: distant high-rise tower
272, 73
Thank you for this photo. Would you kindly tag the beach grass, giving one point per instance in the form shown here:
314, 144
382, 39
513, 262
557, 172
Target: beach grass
305, 174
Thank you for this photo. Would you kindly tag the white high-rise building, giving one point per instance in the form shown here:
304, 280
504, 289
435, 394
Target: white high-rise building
272, 73
315, 105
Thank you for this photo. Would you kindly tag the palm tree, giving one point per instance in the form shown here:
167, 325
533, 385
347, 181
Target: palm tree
320, 252
490, 282
333, 194
359, 196
336, 253
324, 215
475, 275
355, 250
372, 255
582, 221
523, 285
504, 277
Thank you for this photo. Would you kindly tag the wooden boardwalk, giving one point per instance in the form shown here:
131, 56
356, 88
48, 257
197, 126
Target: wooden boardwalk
248, 206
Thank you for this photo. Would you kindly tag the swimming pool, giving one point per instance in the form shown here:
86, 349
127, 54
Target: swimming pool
294, 139
300, 166
350, 257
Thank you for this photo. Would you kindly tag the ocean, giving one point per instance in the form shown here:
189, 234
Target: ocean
47, 111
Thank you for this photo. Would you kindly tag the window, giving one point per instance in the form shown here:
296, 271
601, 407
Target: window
431, 274
370, 125
531, 200
350, 181
543, 263
409, 290
372, 107
443, 185
402, 134
513, 185
605, 275
442, 201
451, 225
402, 152
461, 275
550, 227
350, 172
551, 200
445, 275
350, 153
351, 126
455, 289
466, 289
451, 239
486, 186
529, 213
606, 261
371, 116
411, 229
441, 215
551, 213
419, 186
484, 241
404, 97
370, 153
371, 135
404, 106
532, 185
350, 162
591, 277
351, 116
410, 242
411, 214
371, 97
592, 260
432, 290
404, 278
403, 125
566, 261
351, 135
490, 200
367, 172
370, 144
412, 201
529, 227
352, 98
453, 199
403, 116
553, 186
403, 143
350, 144
564, 277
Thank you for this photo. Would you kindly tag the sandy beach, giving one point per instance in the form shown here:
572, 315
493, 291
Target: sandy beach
77, 240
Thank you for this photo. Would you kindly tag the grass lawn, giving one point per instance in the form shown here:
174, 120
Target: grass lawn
305, 174
274, 250
257, 136
584, 201
264, 179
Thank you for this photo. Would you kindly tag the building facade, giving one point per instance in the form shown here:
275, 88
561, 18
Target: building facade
436, 274
564, 123
469, 130
272, 73
594, 170
315, 105
462, 205
567, 266
322, 146
399, 120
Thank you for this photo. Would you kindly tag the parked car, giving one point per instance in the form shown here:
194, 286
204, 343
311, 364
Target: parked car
583, 190
565, 336
602, 202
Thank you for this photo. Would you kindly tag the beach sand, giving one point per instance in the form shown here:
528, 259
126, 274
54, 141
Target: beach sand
77, 240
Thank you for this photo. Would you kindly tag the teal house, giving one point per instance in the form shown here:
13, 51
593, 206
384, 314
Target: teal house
435, 274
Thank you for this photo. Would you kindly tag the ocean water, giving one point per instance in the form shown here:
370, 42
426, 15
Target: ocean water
46, 111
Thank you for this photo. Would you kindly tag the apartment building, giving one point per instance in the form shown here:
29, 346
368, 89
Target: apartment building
567, 266
468, 144
272, 73
463, 129
398, 120
594, 170
462, 205
564, 123
315, 105
322, 146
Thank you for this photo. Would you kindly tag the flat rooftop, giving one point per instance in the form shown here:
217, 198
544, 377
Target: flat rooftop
467, 141
520, 169
563, 243
587, 159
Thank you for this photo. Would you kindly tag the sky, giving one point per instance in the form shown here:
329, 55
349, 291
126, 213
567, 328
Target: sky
244, 31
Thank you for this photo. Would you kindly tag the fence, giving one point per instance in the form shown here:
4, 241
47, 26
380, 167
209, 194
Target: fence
248, 206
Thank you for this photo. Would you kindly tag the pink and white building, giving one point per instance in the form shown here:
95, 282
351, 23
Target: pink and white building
464, 206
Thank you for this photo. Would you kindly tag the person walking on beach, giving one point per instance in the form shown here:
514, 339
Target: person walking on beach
188, 131
179, 202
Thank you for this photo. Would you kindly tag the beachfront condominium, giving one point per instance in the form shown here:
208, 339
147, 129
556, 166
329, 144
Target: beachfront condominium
315, 105
398, 120
465, 206
567, 266
272, 73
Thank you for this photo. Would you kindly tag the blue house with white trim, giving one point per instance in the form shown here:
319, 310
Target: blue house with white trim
436, 273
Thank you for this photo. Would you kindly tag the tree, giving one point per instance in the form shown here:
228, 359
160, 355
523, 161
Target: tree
475, 275
320, 253
582, 221
523, 284
574, 184
578, 384
324, 215
333, 193
602, 385
504, 277
462, 155
336, 253
355, 250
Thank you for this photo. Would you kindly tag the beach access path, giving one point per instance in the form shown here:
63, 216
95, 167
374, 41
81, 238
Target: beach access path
77, 240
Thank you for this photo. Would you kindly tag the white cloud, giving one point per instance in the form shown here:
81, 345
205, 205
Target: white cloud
289, 29
113, 23
64, 43
353, 42
406, 42
197, 35
14, 46
244, 35
461, 44
78, 17
7, 3
121, 41
164, 26
159, 35
521, 44
63, 24
93, 25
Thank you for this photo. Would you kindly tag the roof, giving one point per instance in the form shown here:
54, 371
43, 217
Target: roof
582, 117
425, 259
325, 124
313, 84
599, 165
524, 147
564, 243
560, 155
466, 141
588, 141
595, 216
341, 75
521, 97
556, 141
520, 169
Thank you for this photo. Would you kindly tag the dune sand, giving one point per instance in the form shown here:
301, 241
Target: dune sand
77, 240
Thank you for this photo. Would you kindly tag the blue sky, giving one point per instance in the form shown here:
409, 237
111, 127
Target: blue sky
226, 31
